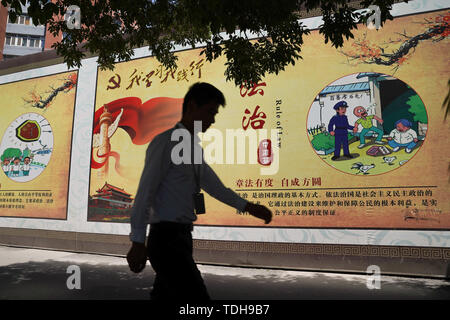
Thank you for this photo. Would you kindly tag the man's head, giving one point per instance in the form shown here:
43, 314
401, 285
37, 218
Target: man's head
201, 103
360, 111
26, 160
403, 125
341, 107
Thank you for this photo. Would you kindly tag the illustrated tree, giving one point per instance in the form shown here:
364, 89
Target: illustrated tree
11, 153
396, 52
417, 108
36, 100
111, 29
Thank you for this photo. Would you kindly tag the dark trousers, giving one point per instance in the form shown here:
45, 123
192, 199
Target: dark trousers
341, 140
170, 253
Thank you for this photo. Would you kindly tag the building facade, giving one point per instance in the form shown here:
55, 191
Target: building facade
22, 37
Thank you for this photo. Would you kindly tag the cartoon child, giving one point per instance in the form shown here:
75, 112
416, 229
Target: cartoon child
367, 125
26, 166
403, 136
338, 127
6, 166
15, 167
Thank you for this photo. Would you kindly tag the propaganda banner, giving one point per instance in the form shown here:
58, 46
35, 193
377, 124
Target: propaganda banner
36, 135
352, 137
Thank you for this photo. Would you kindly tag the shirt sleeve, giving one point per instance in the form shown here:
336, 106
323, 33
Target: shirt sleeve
392, 134
331, 124
155, 168
211, 183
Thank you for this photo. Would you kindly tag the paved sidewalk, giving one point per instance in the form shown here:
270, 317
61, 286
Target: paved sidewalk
43, 274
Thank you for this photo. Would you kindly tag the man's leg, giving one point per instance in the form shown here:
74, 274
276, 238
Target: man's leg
177, 275
410, 146
379, 132
337, 146
394, 145
362, 136
345, 146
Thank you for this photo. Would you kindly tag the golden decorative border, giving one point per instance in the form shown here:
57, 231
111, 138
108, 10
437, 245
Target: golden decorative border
435, 253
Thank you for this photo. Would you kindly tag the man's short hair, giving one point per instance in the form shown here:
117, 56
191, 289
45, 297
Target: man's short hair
202, 93
404, 122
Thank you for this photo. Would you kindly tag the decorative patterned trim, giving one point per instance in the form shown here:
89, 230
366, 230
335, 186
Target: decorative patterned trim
435, 253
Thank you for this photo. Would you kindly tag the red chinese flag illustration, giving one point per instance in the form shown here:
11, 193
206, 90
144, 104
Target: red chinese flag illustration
142, 121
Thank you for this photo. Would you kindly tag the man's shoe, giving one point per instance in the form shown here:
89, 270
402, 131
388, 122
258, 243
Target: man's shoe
334, 158
396, 149
361, 146
408, 150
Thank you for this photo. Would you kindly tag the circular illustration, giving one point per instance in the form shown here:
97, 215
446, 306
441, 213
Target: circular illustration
26, 147
367, 123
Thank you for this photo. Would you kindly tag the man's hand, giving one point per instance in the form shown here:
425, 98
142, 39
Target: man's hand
259, 211
137, 257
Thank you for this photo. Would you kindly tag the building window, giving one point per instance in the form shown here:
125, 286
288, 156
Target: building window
22, 19
35, 42
23, 41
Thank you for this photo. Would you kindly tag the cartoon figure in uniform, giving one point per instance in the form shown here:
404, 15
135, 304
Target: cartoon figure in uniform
338, 127
15, 167
26, 166
6, 166
366, 122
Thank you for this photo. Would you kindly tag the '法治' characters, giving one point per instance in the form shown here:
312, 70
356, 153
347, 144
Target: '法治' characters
366, 123
403, 136
338, 127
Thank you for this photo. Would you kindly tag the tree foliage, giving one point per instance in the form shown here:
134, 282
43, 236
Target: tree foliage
417, 108
11, 154
111, 29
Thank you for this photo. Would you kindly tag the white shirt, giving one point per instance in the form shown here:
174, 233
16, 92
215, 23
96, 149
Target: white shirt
403, 137
165, 191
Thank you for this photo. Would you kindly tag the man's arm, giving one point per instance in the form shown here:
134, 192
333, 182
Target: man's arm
211, 183
157, 163
378, 119
391, 135
156, 166
331, 125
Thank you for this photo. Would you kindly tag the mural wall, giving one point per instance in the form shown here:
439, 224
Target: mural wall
36, 126
311, 183
351, 154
